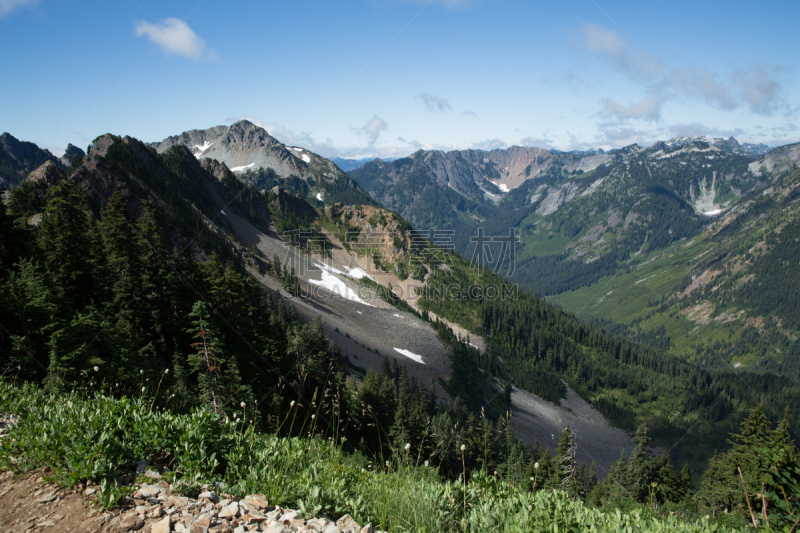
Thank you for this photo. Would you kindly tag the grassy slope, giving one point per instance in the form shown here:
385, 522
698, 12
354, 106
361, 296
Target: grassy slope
91, 436
631, 296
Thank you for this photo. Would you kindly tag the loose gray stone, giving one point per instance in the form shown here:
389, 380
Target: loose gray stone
162, 526
150, 491
230, 511
130, 523
47, 498
346, 522
259, 501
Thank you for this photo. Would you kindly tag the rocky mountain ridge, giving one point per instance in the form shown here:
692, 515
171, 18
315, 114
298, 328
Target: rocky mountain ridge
19, 158
254, 155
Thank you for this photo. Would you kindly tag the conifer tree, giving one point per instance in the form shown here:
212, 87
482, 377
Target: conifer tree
66, 236
568, 463
218, 377
640, 466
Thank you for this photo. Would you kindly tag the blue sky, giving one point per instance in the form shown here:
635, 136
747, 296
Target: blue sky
359, 78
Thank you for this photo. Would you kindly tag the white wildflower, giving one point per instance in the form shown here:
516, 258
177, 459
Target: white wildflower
426, 463
536, 466
166, 370
96, 369
242, 404
143, 389
463, 447
408, 446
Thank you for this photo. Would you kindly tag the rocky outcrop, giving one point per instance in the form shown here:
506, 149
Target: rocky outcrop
49, 173
779, 160
70, 154
18, 159
243, 147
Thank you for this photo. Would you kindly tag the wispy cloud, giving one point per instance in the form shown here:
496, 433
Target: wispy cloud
469, 112
174, 36
9, 6
538, 142
490, 144
434, 104
693, 129
757, 87
649, 109
373, 129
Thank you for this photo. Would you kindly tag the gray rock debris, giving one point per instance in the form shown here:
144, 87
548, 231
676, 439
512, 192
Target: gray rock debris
155, 509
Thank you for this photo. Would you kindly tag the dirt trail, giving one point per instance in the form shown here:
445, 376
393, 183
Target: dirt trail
30, 504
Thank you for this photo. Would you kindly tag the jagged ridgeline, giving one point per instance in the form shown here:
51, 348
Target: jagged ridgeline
261, 160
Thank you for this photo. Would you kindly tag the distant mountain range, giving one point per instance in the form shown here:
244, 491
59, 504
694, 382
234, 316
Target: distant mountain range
351, 164
584, 219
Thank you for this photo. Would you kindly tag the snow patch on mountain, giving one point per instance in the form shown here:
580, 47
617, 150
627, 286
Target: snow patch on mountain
411, 355
337, 286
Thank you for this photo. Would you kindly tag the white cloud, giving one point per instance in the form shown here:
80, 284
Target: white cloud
649, 109
373, 129
490, 144
704, 84
174, 36
9, 6
757, 87
469, 112
538, 142
434, 104
615, 48
760, 88
693, 129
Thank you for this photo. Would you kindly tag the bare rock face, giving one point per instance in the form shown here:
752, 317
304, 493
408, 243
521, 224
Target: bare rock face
48, 173
779, 160
242, 146
70, 154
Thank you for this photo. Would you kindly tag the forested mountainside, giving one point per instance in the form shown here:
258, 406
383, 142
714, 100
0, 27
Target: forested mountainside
724, 297
131, 271
588, 226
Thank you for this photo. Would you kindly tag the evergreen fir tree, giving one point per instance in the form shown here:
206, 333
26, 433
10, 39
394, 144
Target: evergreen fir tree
568, 463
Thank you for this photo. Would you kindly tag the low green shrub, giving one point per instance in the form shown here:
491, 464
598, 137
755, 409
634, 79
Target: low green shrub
80, 438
